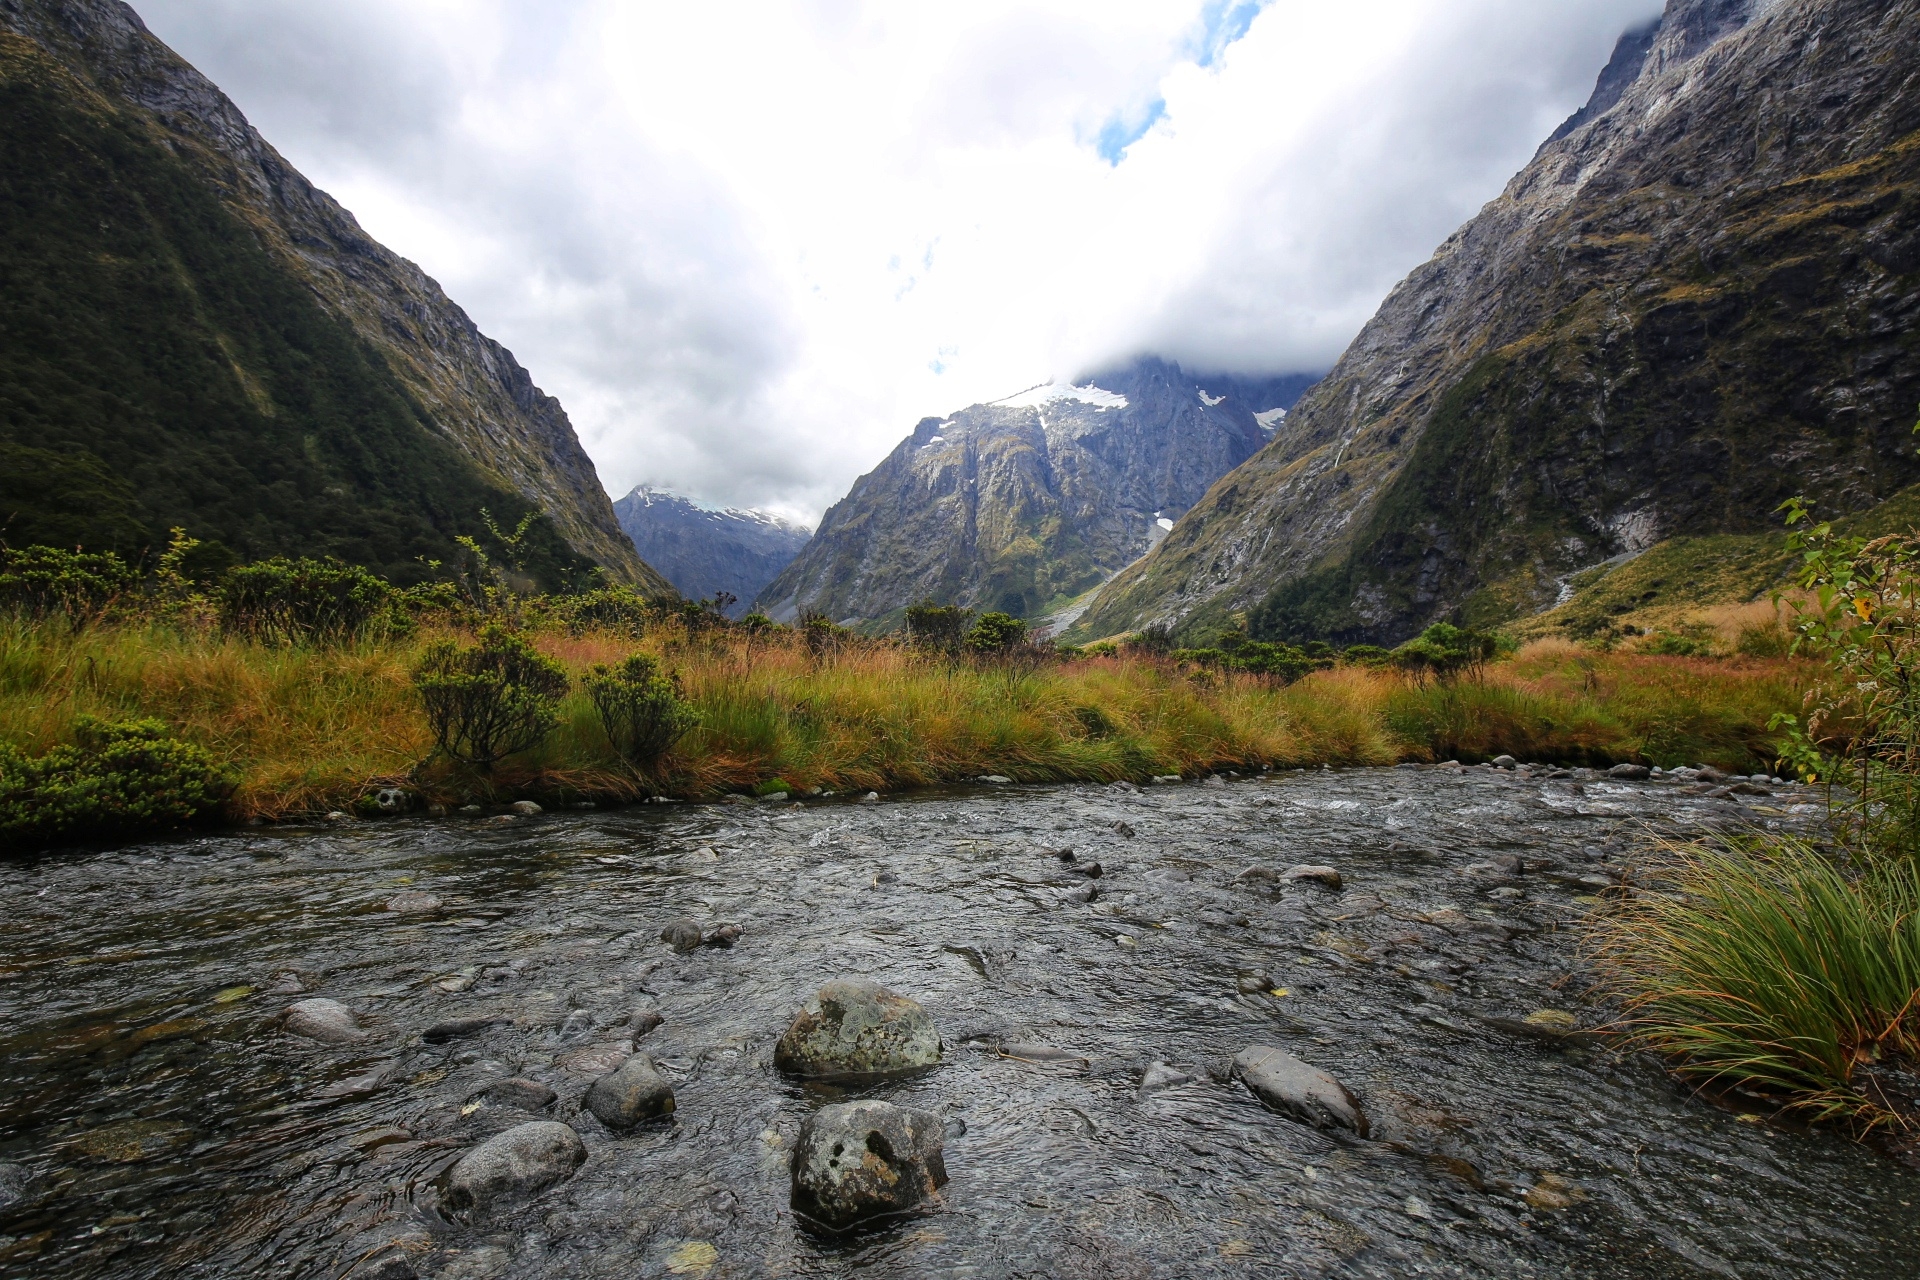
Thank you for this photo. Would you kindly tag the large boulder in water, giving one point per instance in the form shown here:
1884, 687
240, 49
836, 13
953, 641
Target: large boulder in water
636, 1092
856, 1161
1293, 1088
520, 1162
857, 1028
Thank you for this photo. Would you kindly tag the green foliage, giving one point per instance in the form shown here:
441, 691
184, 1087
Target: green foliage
160, 366
491, 701
1156, 637
822, 634
1366, 655
774, 787
47, 582
756, 623
1445, 651
996, 633
1768, 968
283, 601
642, 710
1284, 663
619, 609
115, 779
940, 628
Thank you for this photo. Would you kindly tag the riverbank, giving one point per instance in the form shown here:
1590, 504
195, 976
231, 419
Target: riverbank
313, 729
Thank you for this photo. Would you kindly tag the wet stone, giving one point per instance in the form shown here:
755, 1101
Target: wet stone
521, 1162
457, 1029
1325, 876
1293, 1088
855, 1162
725, 936
682, 935
327, 1021
635, 1092
525, 1095
854, 1027
14, 1180
413, 902
645, 1020
1630, 772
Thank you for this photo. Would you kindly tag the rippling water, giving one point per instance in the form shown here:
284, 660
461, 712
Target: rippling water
167, 1127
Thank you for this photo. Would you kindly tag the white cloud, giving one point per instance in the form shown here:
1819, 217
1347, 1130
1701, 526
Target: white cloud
749, 245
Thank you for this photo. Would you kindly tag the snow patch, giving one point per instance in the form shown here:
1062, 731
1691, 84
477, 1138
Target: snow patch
933, 440
1210, 401
1271, 419
1047, 392
1164, 523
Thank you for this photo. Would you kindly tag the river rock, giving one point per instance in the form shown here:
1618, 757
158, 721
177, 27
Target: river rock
1293, 1088
855, 1161
413, 902
13, 1185
645, 1020
327, 1021
525, 808
725, 936
636, 1092
1503, 762
1160, 1077
457, 1029
523, 1161
1630, 772
682, 935
1317, 875
522, 1094
855, 1027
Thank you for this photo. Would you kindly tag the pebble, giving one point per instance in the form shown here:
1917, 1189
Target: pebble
854, 1027
725, 936
520, 1162
872, 797
1166, 779
683, 935
1121, 828
1291, 1087
523, 1094
635, 1092
413, 902
596, 1060
327, 1021
855, 1161
1319, 875
525, 808
645, 1020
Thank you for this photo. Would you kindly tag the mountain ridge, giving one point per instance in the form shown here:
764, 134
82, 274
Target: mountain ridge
703, 551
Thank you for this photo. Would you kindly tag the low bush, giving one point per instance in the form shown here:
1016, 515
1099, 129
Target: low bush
491, 701
282, 601
940, 628
618, 609
1445, 651
115, 778
642, 710
996, 633
76, 586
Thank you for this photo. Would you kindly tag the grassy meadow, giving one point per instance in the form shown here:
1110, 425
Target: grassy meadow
310, 729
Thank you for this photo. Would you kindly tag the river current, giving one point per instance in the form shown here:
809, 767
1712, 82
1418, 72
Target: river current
157, 1120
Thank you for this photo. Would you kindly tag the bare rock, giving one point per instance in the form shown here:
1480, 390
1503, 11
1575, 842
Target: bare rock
635, 1092
857, 1161
1293, 1088
854, 1027
327, 1021
521, 1162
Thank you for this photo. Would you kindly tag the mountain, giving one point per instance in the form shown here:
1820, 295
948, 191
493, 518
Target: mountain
702, 552
191, 334
1699, 298
1025, 503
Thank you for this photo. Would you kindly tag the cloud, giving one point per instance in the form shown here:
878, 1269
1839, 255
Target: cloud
749, 245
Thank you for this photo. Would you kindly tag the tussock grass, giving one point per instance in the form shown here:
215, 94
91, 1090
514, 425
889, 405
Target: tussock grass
1765, 966
314, 728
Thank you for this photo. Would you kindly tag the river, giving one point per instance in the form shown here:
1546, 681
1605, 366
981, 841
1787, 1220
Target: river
156, 1120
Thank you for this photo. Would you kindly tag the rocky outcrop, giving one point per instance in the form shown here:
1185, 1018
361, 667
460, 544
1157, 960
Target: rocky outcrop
1023, 504
471, 392
702, 552
1696, 301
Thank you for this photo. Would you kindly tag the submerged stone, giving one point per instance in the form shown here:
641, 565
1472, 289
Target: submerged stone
635, 1092
854, 1027
857, 1161
327, 1021
1293, 1088
520, 1162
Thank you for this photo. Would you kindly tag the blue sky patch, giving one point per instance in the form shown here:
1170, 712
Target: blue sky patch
1221, 23
1123, 130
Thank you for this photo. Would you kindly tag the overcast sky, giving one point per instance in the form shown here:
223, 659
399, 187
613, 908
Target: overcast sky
748, 245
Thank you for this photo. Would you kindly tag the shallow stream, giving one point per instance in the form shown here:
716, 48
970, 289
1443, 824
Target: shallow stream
159, 1122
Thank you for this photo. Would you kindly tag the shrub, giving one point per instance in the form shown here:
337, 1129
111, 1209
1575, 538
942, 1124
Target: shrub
642, 711
1445, 651
284, 601
47, 582
117, 778
996, 633
1366, 655
619, 609
822, 634
490, 701
1767, 640
941, 628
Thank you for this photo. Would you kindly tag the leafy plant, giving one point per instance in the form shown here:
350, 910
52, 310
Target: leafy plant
284, 601
642, 710
822, 635
116, 778
1446, 651
996, 633
620, 609
940, 628
47, 582
491, 701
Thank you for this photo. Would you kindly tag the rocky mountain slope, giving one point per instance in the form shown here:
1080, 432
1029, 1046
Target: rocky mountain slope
194, 335
702, 552
1025, 503
1698, 299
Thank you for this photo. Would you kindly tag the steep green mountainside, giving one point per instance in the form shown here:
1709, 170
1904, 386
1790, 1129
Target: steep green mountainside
169, 355
1698, 301
1023, 504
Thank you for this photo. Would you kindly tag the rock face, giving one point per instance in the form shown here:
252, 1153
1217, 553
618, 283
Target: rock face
702, 552
636, 1092
327, 1021
521, 1162
1025, 503
855, 1028
1306, 1093
288, 349
1695, 302
856, 1161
